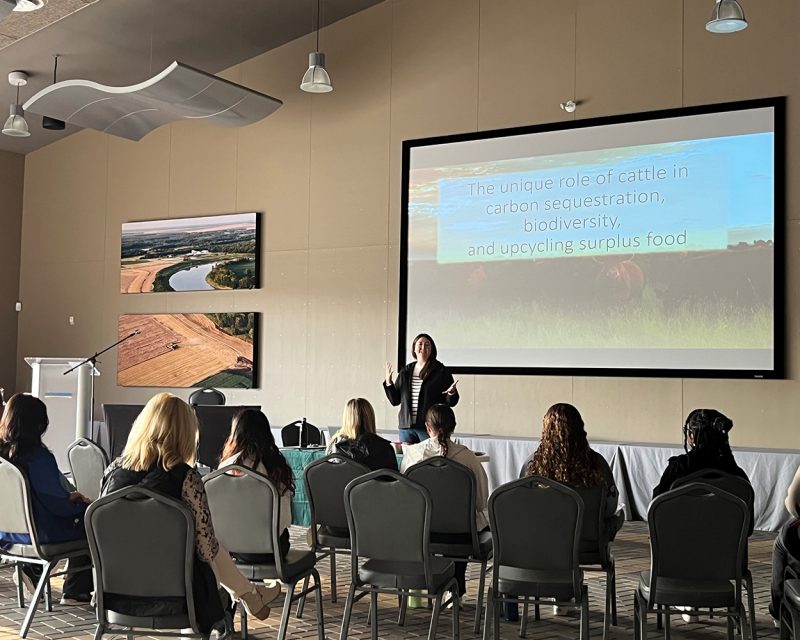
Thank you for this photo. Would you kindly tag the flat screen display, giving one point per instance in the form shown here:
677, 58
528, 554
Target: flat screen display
648, 244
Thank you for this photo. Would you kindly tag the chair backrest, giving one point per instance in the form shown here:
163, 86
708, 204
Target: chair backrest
245, 509
536, 524
87, 462
119, 420
453, 490
206, 396
697, 532
15, 502
390, 519
214, 423
290, 434
594, 514
727, 482
325, 480
142, 546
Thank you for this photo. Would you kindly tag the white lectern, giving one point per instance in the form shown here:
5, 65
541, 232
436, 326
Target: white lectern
68, 399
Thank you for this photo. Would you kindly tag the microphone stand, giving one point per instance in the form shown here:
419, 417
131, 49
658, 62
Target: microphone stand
93, 360
301, 428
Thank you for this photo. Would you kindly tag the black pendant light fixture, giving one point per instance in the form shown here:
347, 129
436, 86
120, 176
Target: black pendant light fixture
53, 124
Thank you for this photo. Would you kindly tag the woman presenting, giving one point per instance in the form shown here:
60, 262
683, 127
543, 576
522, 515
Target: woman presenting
418, 386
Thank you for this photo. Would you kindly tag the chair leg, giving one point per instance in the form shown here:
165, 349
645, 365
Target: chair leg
287, 607
751, 604
20, 587
479, 607
496, 617
537, 615
37, 594
523, 623
301, 604
637, 628
729, 624
348, 608
373, 614
333, 576
320, 612
667, 624
98, 632
456, 615
401, 618
243, 617
48, 597
584, 612
607, 613
437, 607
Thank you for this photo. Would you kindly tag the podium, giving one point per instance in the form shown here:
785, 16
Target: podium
68, 399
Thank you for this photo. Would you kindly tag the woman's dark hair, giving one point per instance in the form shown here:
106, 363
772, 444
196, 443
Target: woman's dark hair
709, 430
252, 440
23, 423
441, 419
424, 371
564, 454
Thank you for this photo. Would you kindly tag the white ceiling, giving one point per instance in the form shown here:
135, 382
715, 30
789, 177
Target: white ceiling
122, 42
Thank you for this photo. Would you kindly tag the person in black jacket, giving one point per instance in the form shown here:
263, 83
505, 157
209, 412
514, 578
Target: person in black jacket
418, 386
705, 440
357, 438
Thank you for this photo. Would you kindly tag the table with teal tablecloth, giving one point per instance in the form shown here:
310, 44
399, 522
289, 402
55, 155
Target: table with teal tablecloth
298, 460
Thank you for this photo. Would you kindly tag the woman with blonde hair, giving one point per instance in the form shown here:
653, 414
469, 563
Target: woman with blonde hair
160, 454
357, 439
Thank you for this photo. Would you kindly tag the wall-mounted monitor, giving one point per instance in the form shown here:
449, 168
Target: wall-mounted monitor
189, 350
190, 254
646, 244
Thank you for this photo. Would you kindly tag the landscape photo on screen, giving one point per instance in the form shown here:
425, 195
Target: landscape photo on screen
190, 254
188, 350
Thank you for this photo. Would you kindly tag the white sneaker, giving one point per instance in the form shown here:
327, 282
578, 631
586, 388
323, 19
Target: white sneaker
562, 610
689, 618
26, 581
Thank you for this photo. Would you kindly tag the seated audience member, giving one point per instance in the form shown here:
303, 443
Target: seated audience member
564, 455
57, 510
786, 552
160, 454
440, 422
252, 445
358, 440
705, 440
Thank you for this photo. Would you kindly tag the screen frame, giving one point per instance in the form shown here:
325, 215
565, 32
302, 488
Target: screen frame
777, 103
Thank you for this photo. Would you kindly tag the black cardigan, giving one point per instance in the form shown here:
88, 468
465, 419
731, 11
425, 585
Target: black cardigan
436, 381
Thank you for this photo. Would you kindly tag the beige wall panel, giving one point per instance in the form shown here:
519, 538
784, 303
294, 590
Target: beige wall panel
138, 181
514, 405
65, 201
12, 172
521, 80
202, 170
273, 155
630, 409
759, 62
350, 134
628, 56
434, 79
347, 311
764, 412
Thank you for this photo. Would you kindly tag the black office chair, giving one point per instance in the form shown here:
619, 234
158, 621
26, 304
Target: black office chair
325, 481
145, 588
246, 512
290, 434
390, 518
119, 420
207, 396
454, 534
790, 610
698, 534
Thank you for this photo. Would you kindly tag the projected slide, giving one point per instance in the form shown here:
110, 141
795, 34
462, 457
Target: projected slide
643, 245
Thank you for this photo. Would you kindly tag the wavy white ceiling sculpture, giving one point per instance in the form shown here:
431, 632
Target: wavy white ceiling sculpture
179, 92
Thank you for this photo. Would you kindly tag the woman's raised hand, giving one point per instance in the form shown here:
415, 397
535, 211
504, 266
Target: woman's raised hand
389, 372
451, 389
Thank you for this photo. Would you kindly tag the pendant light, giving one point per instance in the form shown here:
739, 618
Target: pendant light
316, 78
53, 124
16, 126
727, 17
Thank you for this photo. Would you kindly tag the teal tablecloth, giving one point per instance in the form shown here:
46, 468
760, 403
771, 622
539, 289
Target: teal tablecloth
298, 460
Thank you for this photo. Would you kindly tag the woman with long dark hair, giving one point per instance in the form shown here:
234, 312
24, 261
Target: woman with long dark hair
418, 386
705, 441
252, 445
57, 510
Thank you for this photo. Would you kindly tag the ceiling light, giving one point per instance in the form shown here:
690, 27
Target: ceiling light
16, 126
53, 124
727, 17
316, 78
